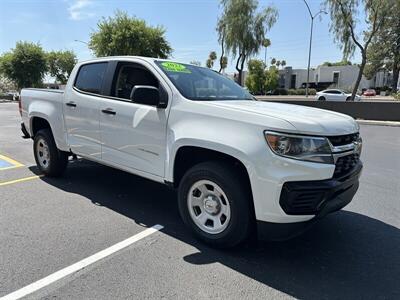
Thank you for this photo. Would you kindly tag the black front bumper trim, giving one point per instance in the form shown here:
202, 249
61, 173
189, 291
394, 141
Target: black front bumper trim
319, 197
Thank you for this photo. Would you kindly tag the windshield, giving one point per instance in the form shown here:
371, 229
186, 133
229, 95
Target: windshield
197, 83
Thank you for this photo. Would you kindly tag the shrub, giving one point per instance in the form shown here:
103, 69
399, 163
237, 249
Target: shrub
280, 91
396, 95
302, 92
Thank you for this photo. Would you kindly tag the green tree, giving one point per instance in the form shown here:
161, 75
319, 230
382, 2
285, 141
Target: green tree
344, 16
283, 63
273, 61
25, 65
266, 44
255, 80
60, 64
211, 58
278, 63
384, 52
223, 60
125, 35
223, 63
272, 78
344, 62
245, 28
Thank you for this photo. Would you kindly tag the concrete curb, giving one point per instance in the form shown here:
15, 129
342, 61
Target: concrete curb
379, 123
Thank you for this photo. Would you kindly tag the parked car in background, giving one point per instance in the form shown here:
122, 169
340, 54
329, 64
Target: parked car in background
335, 95
370, 92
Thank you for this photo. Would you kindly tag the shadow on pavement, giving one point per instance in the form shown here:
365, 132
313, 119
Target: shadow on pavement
345, 256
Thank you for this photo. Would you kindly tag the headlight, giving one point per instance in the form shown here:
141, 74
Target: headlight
308, 148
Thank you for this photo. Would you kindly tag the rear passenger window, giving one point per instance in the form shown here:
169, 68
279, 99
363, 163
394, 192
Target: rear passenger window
90, 77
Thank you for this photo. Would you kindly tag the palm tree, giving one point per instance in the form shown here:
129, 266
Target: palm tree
278, 63
283, 64
266, 44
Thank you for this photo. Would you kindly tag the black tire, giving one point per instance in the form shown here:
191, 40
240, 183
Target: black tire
57, 161
348, 99
322, 98
238, 195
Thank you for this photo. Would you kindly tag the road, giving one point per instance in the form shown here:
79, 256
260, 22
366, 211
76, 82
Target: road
50, 224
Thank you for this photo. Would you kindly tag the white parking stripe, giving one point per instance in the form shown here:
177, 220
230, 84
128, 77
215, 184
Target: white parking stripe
33, 287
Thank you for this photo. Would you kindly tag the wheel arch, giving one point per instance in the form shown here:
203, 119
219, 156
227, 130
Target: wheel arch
189, 155
38, 123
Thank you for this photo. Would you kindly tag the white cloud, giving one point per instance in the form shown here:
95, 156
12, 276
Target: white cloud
79, 10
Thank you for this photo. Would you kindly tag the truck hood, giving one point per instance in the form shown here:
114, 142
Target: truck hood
305, 119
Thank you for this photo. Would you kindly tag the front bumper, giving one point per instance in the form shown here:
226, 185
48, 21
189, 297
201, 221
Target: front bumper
321, 196
318, 198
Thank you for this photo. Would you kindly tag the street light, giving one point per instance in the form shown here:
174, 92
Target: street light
79, 41
309, 51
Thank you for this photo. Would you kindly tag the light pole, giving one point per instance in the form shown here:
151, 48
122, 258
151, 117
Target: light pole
309, 51
79, 41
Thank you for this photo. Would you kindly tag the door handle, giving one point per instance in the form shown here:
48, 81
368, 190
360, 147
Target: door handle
108, 111
71, 104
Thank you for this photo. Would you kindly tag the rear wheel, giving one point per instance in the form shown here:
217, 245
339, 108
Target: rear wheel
215, 204
322, 98
50, 161
348, 99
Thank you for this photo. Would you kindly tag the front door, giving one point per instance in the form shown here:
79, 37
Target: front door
81, 110
133, 135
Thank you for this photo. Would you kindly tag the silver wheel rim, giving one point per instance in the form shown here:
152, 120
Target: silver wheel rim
209, 207
43, 153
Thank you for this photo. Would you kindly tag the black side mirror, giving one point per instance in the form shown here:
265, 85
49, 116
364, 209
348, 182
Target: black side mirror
146, 94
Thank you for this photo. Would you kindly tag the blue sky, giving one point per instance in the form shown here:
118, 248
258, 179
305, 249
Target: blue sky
190, 27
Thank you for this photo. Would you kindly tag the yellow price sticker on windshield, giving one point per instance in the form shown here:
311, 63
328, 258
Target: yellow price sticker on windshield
174, 67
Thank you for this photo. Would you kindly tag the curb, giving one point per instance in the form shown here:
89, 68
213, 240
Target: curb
379, 123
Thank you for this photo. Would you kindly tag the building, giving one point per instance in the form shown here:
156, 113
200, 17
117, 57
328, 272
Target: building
342, 77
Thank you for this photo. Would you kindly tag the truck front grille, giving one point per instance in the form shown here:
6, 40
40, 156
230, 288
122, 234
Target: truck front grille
345, 164
341, 140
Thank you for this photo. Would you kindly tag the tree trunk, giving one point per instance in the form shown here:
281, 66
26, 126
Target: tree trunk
239, 79
222, 55
240, 70
360, 74
396, 70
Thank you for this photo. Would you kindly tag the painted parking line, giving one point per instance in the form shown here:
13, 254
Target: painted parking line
20, 180
8, 163
33, 287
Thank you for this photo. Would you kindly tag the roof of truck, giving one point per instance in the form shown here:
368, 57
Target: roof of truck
108, 58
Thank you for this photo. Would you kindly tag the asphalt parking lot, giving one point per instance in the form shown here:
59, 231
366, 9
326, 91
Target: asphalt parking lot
47, 225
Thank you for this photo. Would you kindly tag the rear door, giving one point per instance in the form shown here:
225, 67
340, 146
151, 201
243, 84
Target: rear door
133, 135
81, 110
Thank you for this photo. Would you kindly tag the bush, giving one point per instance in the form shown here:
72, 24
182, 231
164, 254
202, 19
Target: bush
280, 91
396, 95
302, 92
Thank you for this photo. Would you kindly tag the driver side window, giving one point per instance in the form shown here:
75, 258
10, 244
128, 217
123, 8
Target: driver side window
129, 76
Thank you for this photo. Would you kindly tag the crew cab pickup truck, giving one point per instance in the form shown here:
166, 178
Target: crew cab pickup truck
240, 165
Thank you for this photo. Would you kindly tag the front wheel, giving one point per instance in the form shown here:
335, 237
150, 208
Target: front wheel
50, 161
215, 204
322, 98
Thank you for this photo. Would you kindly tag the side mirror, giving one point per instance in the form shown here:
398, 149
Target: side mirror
146, 94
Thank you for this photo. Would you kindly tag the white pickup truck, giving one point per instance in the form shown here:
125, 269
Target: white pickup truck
239, 165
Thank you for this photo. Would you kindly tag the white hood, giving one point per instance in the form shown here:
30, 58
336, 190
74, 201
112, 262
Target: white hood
307, 120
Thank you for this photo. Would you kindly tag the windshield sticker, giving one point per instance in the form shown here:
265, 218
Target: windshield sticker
174, 67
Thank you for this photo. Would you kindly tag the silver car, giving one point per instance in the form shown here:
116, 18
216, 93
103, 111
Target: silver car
335, 95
